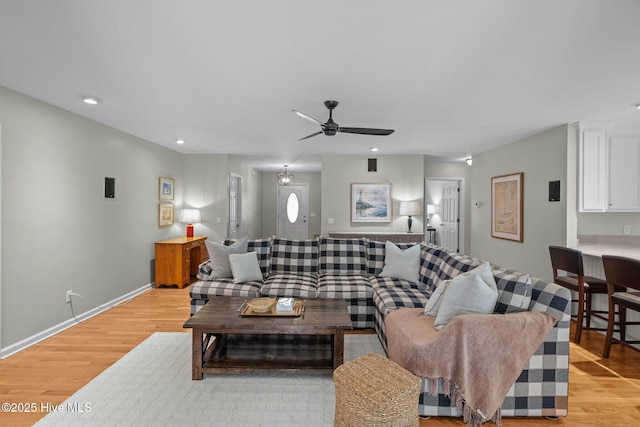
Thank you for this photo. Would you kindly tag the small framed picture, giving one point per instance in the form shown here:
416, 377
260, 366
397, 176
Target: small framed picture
165, 214
166, 188
506, 206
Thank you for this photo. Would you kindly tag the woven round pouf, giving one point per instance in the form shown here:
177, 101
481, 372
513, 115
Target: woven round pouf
374, 391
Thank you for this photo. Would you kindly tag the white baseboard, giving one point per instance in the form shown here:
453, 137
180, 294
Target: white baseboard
34, 339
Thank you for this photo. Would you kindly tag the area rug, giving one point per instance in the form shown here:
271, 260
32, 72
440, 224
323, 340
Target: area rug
151, 386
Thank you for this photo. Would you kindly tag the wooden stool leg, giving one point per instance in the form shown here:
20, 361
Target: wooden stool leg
580, 318
610, 324
622, 318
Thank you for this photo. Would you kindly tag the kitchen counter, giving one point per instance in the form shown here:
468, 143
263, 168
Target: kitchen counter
626, 246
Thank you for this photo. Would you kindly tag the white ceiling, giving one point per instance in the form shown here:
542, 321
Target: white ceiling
452, 77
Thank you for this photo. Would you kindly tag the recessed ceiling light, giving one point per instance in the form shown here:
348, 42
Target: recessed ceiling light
374, 149
90, 99
180, 141
637, 106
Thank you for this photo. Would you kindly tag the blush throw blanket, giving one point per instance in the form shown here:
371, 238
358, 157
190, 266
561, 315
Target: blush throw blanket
477, 356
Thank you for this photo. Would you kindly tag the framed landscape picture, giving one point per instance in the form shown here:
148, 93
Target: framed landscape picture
165, 214
166, 188
506, 206
371, 202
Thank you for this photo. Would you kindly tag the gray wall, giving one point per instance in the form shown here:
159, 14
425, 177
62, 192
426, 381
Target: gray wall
542, 158
206, 187
404, 172
58, 232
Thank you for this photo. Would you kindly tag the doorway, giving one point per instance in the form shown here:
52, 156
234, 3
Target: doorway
447, 194
293, 206
235, 206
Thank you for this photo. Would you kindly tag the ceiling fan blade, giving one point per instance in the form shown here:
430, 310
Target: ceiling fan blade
366, 131
312, 135
304, 116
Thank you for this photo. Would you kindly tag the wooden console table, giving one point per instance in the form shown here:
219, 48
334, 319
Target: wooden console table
380, 236
178, 259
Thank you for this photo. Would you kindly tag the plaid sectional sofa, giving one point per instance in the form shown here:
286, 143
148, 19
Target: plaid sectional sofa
349, 269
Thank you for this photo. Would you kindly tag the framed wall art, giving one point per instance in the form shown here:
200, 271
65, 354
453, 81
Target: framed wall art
165, 214
371, 202
166, 187
506, 206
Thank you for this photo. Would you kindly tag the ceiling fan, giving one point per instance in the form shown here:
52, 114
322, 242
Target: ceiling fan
330, 127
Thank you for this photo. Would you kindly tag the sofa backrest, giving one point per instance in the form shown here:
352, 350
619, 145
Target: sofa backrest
342, 256
294, 256
516, 291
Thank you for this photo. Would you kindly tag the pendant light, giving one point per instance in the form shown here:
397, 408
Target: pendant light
285, 178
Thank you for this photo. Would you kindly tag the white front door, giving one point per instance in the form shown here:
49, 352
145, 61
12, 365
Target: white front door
450, 217
235, 206
293, 206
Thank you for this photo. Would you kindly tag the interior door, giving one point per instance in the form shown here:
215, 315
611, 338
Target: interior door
235, 206
450, 217
293, 206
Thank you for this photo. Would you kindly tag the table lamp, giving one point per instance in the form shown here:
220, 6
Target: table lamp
410, 209
190, 216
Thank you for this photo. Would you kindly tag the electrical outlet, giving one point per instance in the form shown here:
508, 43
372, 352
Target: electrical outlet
68, 296
626, 229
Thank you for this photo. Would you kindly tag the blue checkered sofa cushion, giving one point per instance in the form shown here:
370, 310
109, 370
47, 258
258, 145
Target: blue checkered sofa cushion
297, 285
342, 256
202, 291
431, 258
514, 290
294, 256
453, 264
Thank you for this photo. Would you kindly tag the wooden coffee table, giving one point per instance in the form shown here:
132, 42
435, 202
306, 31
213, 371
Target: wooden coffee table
226, 342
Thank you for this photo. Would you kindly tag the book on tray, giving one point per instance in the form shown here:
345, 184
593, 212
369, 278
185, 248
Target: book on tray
285, 304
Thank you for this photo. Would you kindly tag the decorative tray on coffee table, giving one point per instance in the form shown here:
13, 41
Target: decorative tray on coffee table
298, 309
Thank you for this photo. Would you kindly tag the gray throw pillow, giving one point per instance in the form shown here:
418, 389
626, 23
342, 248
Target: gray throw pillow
219, 257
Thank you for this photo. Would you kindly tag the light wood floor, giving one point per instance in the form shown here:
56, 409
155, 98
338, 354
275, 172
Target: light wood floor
601, 391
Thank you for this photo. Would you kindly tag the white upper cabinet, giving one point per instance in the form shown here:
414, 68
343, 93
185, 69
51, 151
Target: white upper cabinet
608, 170
592, 153
624, 174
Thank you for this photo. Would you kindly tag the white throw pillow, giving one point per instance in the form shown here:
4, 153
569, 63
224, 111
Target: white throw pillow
219, 256
432, 306
401, 264
245, 267
474, 293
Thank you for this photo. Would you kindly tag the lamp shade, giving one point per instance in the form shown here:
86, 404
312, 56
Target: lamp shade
190, 215
410, 208
431, 209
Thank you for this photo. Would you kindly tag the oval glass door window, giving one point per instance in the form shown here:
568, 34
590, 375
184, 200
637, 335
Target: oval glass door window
293, 207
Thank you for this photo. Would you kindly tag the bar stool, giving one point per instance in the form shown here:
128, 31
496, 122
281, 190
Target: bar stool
570, 261
623, 282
